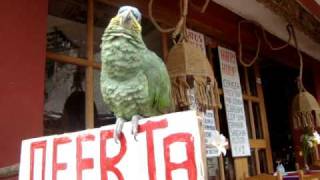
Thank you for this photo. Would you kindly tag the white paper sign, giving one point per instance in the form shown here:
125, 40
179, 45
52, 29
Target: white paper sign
167, 147
192, 98
197, 39
212, 164
209, 127
237, 126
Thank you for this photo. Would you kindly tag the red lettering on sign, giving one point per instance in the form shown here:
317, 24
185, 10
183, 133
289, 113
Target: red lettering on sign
188, 164
83, 163
55, 165
108, 163
38, 145
149, 126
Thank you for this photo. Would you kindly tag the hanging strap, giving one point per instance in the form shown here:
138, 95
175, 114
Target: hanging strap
264, 35
201, 9
299, 81
240, 46
181, 25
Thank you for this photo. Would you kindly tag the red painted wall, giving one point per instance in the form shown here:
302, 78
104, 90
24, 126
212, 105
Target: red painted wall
22, 58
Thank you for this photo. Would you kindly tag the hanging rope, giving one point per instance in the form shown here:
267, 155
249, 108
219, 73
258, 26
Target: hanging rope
300, 82
240, 46
289, 26
179, 27
201, 9
264, 35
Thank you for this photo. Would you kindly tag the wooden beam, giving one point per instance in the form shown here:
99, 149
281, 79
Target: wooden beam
264, 122
245, 97
258, 143
89, 71
71, 60
9, 171
165, 48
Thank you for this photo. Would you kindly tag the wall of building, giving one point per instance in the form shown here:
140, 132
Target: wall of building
22, 58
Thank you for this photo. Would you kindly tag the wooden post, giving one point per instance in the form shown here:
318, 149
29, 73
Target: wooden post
251, 120
9, 171
70, 60
264, 122
164, 39
221, 167
89, 70
241, 167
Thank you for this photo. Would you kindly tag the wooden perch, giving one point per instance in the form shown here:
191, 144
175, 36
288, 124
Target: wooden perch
9, 171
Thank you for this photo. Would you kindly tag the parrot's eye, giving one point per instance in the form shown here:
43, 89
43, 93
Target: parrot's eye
136, 15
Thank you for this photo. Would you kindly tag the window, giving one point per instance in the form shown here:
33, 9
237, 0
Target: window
73, 100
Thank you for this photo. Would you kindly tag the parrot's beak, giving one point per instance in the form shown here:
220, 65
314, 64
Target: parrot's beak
126, 18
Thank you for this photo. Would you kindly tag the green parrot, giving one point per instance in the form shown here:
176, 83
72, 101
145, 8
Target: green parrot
134, 80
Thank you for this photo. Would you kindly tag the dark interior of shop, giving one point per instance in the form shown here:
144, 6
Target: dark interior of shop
279, 86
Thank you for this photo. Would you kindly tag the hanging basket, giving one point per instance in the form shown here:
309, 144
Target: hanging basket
305, 111
189, 68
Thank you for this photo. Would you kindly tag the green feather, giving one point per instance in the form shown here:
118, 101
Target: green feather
134, 80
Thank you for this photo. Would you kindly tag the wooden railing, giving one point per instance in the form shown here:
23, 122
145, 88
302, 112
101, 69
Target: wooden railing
9, 171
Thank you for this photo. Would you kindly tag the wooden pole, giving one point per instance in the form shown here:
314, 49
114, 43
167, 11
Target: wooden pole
70, 60
164, 39
264, 122
89, 69
251, 120
9, 171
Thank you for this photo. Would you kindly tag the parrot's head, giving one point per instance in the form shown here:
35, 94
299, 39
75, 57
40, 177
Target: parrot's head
129, 18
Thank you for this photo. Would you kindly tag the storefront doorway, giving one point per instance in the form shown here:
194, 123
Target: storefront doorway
279, 89
279, 86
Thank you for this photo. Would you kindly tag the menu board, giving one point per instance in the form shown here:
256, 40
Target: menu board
233, 100
197, 39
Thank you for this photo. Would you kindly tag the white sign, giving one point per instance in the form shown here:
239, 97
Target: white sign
212, 164
209, 127
197, 39
237, 126
192, 98
167, 147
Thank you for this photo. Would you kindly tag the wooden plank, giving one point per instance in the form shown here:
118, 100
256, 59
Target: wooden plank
203, 147
70, 60
9, 171
241, 168
264, 122
258, 143
165, 48
251, 119
251, 116
257, 160
221, 161
89, 71
245, 97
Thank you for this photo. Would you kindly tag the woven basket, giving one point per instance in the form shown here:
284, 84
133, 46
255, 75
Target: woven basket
189, 68
186, 59
305, 111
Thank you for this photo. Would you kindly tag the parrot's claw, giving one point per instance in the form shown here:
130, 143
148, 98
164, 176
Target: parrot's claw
118, 129
134, 121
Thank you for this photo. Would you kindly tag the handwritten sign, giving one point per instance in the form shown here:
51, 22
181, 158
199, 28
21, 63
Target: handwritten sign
209, 127
167, 147
238, 133
197, 39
